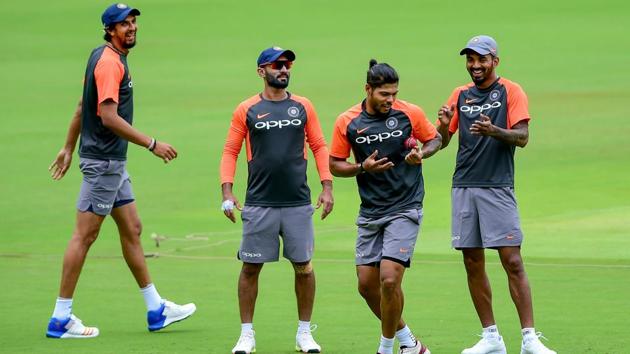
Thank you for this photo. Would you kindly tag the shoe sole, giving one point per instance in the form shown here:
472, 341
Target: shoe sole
298, 349
71, 336
175, 320
244, 352
495, 352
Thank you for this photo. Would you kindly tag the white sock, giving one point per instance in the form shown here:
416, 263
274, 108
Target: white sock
528, 332
151, 297
492, 331
247, 327
387, 345
304, 326
63, 308
405, 337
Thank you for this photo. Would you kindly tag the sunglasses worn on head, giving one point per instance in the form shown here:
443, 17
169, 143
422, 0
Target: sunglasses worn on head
278, 64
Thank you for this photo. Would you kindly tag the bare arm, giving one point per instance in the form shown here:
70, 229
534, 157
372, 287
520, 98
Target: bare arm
342, 168
445, 114
62, 162
417, 154
120, 127
518, 135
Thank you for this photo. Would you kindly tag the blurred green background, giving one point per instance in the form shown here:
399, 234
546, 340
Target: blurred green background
195, 61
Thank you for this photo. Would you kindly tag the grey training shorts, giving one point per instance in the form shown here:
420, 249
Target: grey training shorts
105, 186
485, 218
392, 237
263, 227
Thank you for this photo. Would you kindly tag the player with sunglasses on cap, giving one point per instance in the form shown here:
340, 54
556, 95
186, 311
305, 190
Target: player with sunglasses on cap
276, 126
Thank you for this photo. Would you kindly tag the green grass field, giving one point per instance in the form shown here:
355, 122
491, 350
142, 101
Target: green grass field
195, 61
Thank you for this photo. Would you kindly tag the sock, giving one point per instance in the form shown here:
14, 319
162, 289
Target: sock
304, 326
405, 337
63, 308
491, 331
151, 297
247, 327
528, 332
387, 345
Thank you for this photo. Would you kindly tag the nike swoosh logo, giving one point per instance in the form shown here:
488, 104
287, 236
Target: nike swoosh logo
469, 101
261, 116
359, 131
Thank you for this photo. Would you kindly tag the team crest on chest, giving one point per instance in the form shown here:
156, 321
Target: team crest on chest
293, 112
391, 123
494, 95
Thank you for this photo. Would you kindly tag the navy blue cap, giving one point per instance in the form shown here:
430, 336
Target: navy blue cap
272, 54
481, 44
117, 13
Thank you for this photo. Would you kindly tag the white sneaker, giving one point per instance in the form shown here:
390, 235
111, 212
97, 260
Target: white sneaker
489, 344
305, 343
72, 327
532, 345
419, 348
169, 313
246, 343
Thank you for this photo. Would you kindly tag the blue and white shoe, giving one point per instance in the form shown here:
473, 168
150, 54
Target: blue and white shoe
168, 313
71, 327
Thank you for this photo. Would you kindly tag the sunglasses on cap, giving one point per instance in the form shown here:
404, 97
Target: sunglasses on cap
278, 64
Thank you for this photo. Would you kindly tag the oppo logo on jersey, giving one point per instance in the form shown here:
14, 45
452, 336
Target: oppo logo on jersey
277, 124
378, 137
480, 109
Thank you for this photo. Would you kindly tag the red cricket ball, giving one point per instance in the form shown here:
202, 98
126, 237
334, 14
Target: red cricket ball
411, 143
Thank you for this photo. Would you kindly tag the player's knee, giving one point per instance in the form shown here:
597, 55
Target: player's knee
389, 283
136, 228
250, 270
473, 264
86, 237
365, 289
514, 265
303, 269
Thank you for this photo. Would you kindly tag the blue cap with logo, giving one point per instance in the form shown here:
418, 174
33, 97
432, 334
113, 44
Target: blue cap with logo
272, 54
481, 44
117, 13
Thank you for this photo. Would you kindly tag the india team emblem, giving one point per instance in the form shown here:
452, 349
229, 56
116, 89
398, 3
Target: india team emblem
293, 112
391, 123
121, 6
494, 95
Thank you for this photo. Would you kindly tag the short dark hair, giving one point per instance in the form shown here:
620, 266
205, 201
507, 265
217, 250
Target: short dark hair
380, 74
107, 36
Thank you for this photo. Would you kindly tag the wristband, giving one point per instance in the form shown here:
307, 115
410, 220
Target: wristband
152, 145
361, 169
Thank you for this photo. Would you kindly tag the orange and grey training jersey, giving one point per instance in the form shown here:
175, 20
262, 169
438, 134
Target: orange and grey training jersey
401, 187
276, 134
106, 78
483, 161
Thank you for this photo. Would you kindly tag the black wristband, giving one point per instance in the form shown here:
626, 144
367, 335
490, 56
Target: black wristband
361, 169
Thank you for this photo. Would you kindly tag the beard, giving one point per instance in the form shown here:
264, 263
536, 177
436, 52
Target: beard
275, 83
127, 45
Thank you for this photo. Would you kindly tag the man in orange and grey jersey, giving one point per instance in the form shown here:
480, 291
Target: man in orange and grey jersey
388, 170
276, 126
103, 120
491, 114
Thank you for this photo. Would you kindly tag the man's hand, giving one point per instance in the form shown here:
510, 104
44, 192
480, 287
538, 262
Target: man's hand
445, 114
229, 203
60, 165
372, 165
325, 199
483, 127
164, 151
414, 157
